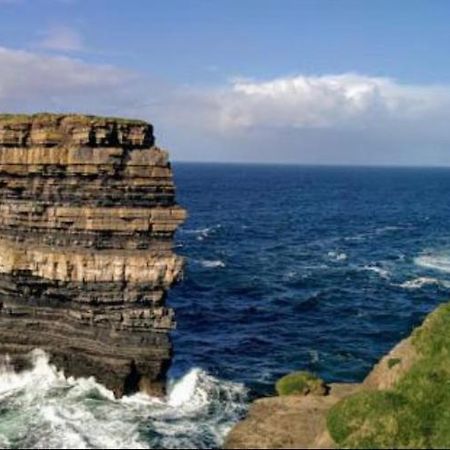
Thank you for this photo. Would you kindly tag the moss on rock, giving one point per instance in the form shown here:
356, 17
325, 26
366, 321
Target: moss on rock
300, 383
392, 362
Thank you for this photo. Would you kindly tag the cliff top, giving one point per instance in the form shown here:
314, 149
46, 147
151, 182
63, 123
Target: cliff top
45, 118
49, 130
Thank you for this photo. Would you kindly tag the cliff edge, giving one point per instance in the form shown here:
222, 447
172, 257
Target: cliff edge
87, 217
404, 402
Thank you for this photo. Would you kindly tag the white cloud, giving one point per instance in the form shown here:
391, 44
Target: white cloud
30, 80
344, 118
62, 38
346, 100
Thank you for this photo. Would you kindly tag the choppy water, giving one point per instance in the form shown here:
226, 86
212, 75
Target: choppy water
289, 268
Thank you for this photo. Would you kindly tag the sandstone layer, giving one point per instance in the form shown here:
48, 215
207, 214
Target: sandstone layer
87, 218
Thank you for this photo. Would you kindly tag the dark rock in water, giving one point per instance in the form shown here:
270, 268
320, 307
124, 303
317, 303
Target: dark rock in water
87, 217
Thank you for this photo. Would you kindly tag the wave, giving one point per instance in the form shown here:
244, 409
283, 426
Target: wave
202, 233
212, 264
384, 273
42, 408
434, 262
420, 282
388, 228
337, 256
371, 234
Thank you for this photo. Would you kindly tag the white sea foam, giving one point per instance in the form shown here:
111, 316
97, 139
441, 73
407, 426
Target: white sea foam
420, 282
372, 234
202, 233
435, 262
41, 408
337, 256
387, 229
314, 356
212, 264
383, 273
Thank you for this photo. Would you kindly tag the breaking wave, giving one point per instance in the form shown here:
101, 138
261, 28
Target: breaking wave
420, 282
383, 273
212, 264
44, 409
434, 262
202, 233
337, 256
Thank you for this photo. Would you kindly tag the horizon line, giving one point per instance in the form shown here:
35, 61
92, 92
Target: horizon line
318, 165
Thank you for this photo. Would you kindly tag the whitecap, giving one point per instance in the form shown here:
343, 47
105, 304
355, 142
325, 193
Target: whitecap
388, 228
314, 356
383, 273
420, 282
201, 233
357, 237
434, 262
41, 408
212, 264
289, 275
337, 256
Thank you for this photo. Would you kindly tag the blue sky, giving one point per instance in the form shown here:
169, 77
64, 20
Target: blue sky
336, 81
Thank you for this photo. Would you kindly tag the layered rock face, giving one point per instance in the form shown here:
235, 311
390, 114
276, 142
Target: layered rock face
87, 217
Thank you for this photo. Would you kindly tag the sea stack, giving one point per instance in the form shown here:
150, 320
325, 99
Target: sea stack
87, 218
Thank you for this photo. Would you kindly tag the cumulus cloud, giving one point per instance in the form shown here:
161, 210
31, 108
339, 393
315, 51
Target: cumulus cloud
62, 38
343, 101
344, 118
337, 119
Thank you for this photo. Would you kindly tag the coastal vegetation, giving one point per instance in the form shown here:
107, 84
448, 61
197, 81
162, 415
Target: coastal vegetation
300, 383
415, 413
404, 402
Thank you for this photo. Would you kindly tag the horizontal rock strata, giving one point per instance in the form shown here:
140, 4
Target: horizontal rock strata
87, 218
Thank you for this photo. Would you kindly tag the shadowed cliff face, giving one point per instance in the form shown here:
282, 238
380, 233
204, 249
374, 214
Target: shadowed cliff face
87, 217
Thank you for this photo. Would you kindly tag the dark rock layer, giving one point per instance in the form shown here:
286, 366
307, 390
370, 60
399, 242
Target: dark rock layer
87, 217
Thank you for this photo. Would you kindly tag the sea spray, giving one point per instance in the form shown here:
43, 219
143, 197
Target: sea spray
41, 408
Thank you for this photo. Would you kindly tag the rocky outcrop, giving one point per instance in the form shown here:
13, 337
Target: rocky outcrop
291, 421
300, 421
87, 217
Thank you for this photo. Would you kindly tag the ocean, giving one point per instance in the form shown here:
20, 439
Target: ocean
288, 268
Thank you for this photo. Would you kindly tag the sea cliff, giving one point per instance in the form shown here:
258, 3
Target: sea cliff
402, 403
87, 217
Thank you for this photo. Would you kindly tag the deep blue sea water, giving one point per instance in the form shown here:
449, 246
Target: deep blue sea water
288, 268
292, 267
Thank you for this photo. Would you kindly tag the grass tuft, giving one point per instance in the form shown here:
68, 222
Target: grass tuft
392, 362
300, 383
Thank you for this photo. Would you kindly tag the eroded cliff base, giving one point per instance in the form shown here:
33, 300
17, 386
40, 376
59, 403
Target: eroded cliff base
87, 217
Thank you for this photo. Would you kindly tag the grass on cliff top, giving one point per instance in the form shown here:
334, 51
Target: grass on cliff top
416, 413
300, 383
45, 117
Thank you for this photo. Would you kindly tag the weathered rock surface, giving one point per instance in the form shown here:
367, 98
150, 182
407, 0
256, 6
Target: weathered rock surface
300, 421
87, 217
387, 372
291, 421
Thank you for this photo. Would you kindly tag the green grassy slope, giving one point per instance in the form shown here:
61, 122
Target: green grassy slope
416, 412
